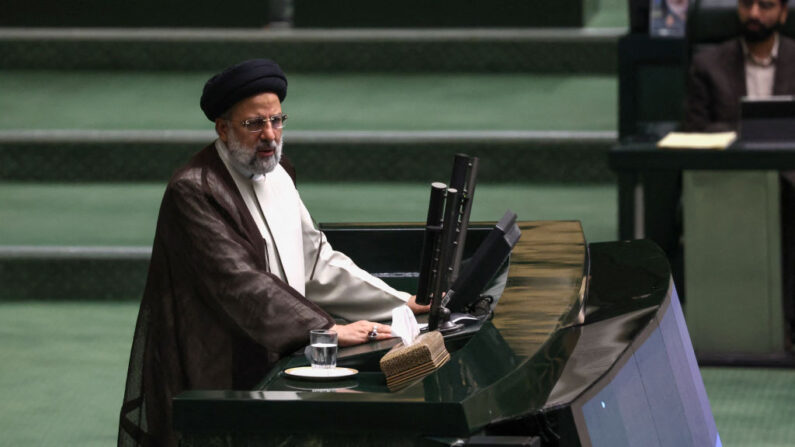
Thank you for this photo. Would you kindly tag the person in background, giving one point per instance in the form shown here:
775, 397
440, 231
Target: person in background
758, 63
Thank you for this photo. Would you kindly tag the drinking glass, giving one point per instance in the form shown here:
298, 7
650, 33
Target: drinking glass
323, 343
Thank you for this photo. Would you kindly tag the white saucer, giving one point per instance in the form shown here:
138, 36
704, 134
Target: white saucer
309, 373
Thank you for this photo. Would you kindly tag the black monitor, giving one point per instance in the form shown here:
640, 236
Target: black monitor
484, 264
770, 119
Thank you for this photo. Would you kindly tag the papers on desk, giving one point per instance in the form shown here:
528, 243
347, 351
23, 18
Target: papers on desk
682, 140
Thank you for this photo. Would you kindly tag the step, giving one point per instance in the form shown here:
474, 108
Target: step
128, 126
124, 214
474, 50
355, 13
72, 273
92, 241
141, 13
128, 156
441, 13
134, 100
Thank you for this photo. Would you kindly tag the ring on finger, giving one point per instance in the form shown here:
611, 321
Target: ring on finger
372, 335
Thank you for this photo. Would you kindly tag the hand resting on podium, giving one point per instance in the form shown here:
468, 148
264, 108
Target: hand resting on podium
361, 331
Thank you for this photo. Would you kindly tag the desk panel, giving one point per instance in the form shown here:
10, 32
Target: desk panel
652, 206
571, 319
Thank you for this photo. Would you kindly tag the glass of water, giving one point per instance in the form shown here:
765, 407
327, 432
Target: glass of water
323, 344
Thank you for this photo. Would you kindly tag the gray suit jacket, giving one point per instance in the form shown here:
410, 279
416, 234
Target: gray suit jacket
717, 81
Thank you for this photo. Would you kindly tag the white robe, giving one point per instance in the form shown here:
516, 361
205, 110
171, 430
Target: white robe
300, 254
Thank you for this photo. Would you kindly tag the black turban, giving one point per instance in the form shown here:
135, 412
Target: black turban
241, 81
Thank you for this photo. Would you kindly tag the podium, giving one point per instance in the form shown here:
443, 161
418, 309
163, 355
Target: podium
587, 346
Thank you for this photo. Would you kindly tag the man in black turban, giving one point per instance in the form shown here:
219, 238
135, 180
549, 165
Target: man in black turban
239, 275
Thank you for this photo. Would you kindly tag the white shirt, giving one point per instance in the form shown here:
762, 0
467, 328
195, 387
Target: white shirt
299, 253
760, 73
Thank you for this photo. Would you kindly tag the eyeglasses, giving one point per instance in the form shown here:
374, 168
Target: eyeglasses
259, 123
763, 4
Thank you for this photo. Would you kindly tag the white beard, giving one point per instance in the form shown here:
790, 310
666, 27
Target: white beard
245, 157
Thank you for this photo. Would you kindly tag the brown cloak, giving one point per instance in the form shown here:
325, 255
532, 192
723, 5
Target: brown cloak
211, 317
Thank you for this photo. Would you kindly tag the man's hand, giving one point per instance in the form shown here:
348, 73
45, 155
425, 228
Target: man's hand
417, 308
358, 332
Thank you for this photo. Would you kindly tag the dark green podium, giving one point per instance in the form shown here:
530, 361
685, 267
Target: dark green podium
586, 348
